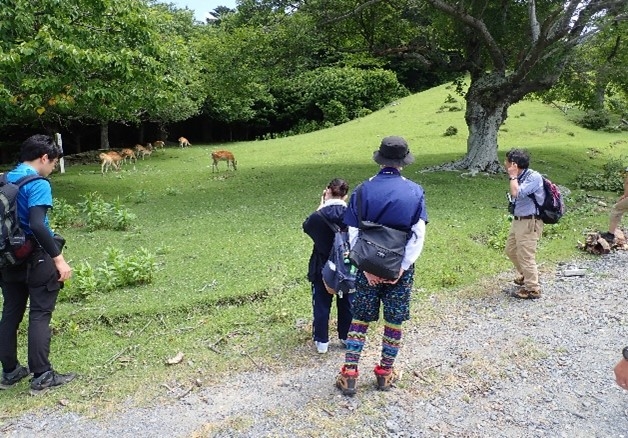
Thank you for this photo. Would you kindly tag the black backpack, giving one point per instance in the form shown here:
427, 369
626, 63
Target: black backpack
12, 237
338, 271
553, 207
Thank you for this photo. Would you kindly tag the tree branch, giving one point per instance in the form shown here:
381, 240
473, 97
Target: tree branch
493, 49
535, 28
351, 13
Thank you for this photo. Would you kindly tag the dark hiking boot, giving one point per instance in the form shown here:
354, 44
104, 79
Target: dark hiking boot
10, 379
49, 380
347, 381
526, 294
386, 377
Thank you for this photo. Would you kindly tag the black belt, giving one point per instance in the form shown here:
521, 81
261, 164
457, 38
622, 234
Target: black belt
520, 218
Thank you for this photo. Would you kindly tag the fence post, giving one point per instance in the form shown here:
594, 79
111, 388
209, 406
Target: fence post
60, 145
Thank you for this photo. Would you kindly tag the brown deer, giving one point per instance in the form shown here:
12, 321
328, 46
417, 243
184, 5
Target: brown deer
159, 144
183, 142
109, 159
223, 156
143, 151
128, 153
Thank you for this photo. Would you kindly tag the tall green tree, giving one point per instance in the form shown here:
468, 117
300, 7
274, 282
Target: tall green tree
511, 49
597, 72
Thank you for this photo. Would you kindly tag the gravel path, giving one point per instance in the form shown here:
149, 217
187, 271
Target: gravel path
481, 364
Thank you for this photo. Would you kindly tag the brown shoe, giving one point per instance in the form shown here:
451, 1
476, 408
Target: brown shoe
386, 377
518, 280
526, 294
347, 381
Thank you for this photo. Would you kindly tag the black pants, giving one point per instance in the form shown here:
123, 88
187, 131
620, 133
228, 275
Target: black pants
321, 307
36, 279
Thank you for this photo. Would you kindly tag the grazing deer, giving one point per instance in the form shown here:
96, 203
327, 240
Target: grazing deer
108, 160
143, 151
128, 153
223, 156
183, 142
159, 144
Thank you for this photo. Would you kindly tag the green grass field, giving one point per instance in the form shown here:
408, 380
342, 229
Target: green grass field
230, 290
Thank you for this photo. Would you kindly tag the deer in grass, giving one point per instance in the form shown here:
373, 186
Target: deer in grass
183, 142
108, 160
159, 144
143, 151
128, 153
223, 156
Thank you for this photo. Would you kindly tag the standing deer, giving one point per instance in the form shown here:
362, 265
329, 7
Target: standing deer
159, 144
109, 159
143, 151
183, 142
223, 156
128, 153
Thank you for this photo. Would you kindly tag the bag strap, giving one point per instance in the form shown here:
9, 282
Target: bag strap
335, 228
358, 196
28, 178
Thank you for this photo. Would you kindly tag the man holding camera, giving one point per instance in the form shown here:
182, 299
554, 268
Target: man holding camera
38, 278
526, 228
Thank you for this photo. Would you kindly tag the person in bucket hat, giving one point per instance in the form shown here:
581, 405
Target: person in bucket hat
392, 200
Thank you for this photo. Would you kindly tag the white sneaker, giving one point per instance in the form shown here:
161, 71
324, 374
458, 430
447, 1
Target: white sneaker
321, 347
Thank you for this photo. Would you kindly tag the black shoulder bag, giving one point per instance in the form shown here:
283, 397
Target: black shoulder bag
379, 249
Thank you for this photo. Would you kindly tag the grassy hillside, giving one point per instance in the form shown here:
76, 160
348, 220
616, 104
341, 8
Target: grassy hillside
232, 257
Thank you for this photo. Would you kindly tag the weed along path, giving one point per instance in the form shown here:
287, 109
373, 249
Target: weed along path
479, 364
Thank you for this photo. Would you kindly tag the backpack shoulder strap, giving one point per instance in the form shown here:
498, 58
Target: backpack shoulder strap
26, 179
335, 228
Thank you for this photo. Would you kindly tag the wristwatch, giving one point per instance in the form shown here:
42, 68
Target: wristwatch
624, 352
512, 178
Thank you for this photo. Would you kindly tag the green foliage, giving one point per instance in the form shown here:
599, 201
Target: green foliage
100, 215
452, 130
334, 95
63, 215
611, 179
497, 233
595, 119
116, 271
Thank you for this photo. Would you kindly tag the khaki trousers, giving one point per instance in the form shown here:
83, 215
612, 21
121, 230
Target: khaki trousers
616, 214
521, 250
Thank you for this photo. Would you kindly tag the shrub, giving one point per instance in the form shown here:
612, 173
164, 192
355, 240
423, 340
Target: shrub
118, 270
100, 215
452, 130
611, 179
63, 215
595, 120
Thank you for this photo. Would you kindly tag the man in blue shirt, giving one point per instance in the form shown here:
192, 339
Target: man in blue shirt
526, 228
394, 201
38, 279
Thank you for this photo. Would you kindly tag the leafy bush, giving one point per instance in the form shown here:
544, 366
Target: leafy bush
100, 215
452, 130
611, 179
118, 270
497, 234
334, 112
595, 120
63, 215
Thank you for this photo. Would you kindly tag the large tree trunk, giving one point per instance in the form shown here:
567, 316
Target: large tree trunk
487, 108
483, 123
163, 132
104, 135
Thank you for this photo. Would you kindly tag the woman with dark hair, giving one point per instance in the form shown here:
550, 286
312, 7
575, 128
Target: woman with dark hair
332, 206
